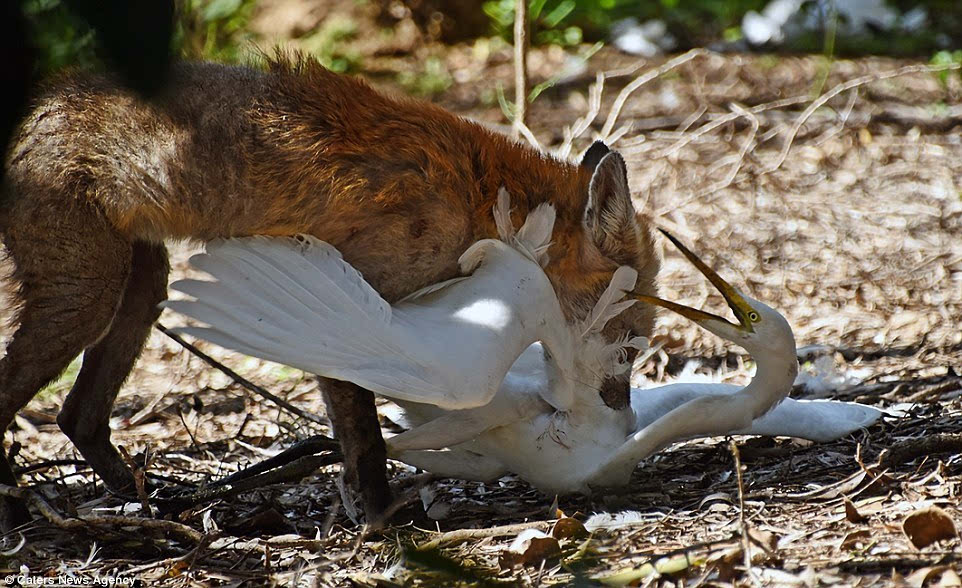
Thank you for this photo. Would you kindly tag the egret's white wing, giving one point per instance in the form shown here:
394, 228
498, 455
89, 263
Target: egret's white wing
815, 420
297, 302
517, 400
455, 463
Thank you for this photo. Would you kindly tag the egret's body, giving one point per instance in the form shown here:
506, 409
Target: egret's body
563, 452
543, 418
517, 433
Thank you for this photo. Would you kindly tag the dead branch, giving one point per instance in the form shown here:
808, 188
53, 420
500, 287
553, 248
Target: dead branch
727, 118
50, 463
581, 124
520, 66
640, 81
294, 471
410, 497
139, 473
247, 384
311, 446
461, 535
913, 449
746, 145
843, 87
742, 525
86, 522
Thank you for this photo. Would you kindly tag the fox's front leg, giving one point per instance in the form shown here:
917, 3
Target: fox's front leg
354, 417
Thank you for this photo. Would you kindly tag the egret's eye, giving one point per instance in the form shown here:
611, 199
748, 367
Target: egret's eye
753, 316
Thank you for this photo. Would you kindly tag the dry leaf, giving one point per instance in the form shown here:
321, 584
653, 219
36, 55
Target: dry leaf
530, 547
919, 577
928, 525
852, 514
569, 528
727, 562
856, 539
950, 579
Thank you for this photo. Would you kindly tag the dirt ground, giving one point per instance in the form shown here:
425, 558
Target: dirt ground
845, 214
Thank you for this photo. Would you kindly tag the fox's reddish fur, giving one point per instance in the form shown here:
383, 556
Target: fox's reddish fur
97, 179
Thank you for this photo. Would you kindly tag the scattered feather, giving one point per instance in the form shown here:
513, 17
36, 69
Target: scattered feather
608, 305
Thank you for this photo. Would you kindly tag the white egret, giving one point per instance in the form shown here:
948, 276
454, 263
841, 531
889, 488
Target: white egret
594, 446
522, 429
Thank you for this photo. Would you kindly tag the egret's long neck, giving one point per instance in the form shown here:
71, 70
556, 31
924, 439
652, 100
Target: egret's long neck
774, 377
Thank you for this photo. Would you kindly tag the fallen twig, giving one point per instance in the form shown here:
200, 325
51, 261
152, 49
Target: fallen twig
641, 80
461, 535
311, 446
912, 449
521, 67
294, 471
85, 522
843, 87
138, 473
50, 463
402, 501
742, 525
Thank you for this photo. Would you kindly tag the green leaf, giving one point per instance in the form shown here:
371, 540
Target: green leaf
672, 565
220, 9
534, 9
537, 90
558, 13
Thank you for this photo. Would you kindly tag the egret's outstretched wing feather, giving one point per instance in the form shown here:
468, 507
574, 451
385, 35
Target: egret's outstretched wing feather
815, 420
431, 289
297, 302
455, 463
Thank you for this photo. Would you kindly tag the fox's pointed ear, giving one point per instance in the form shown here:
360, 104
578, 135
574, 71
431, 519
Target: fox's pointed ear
609, 214
594, 154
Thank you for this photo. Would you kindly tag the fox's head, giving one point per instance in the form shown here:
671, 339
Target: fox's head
583, 260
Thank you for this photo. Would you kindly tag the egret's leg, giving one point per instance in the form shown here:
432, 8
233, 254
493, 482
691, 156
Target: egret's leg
455, 463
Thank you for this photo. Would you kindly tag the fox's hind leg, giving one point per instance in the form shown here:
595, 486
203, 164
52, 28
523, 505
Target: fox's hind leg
85, 415
71, 268
354, 416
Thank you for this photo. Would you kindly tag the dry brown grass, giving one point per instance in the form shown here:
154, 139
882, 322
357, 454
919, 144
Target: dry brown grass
855, 234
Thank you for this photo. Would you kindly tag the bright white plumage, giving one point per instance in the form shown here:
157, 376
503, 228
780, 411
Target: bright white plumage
466, 359
296, 301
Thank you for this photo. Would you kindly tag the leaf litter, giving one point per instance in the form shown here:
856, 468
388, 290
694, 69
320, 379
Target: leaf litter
856, 235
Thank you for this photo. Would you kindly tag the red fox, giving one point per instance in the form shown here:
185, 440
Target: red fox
97, 178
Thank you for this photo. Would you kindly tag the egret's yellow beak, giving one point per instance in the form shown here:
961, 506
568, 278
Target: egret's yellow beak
743, 311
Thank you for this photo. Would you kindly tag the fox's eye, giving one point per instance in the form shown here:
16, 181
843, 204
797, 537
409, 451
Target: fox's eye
753, 316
